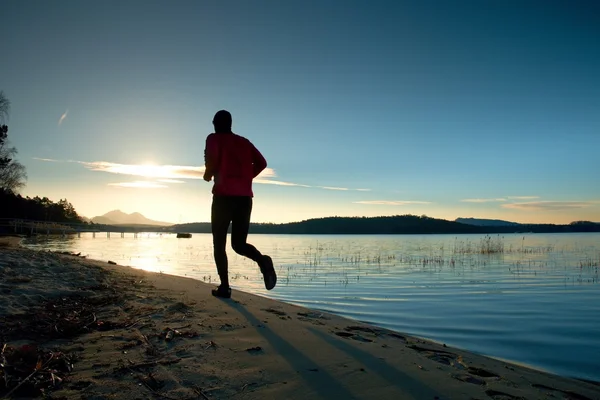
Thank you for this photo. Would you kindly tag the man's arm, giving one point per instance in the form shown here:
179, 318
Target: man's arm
210, 157
258, 162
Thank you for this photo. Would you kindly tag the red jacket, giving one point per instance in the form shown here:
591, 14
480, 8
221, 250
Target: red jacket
234, 162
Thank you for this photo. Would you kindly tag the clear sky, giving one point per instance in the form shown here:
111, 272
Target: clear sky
489, 109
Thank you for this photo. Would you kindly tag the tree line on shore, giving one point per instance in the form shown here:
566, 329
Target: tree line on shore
15, 206
398, 224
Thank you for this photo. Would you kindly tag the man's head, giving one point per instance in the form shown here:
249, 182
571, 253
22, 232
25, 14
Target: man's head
222, 121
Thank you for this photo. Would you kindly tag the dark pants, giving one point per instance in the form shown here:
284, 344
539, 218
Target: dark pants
235, 210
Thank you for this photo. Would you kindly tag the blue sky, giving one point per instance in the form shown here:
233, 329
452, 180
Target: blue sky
488, 109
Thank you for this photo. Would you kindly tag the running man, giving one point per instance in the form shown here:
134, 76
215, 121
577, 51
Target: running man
234, 162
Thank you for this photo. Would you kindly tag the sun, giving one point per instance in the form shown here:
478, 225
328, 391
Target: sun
146, 170
150, 170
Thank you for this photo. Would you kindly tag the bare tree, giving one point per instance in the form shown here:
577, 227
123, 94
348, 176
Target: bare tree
12, 172
4, 107
13, 175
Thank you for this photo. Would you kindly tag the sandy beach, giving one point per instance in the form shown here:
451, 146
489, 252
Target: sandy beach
72, 328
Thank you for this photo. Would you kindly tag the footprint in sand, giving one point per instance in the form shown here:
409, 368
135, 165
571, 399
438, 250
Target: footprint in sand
312, 317
353, 336
229, 327
482, 372
496, 395
254, 350
351, 333
443, 357
476, 380
469, 379
567, 394
312, 321
274, 311
374, 331
473, 375
279, 313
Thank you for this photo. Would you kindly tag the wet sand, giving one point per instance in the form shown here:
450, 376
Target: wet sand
132, 334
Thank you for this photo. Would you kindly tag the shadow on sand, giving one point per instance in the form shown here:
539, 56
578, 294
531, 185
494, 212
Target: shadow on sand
406, 384
323, 383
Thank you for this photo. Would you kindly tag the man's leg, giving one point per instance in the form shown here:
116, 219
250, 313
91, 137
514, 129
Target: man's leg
220, 217
242, 209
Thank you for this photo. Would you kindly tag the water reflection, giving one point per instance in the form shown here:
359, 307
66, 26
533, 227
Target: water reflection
531, 298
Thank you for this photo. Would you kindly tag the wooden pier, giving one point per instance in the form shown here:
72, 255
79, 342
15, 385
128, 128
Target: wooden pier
30, 228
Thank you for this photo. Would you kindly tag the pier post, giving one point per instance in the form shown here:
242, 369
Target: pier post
93, 234
108, 235
122, 234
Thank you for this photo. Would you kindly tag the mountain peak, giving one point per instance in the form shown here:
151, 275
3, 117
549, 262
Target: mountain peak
485, 222
118, 217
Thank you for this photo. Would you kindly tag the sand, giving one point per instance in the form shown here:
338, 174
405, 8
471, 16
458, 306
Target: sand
132, 334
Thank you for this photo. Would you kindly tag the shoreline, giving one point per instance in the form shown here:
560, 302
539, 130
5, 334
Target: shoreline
244, 348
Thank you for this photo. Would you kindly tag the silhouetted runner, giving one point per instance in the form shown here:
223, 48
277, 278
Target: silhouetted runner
234, 162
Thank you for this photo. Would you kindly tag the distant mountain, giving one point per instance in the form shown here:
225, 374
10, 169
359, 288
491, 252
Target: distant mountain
485, 222
584, 223
103, 221
118, 217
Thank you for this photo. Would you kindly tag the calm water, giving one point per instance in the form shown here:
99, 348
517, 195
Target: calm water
533, 299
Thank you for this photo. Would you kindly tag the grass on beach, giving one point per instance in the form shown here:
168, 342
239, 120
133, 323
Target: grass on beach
327, 263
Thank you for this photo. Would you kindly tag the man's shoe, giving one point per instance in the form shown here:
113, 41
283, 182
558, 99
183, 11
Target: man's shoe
222, 291
269, 275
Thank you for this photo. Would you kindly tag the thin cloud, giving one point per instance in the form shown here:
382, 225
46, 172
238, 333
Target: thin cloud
63, 117
283, 183
139, 185
333, 188
391, 202
523, 197
146, 170
46, 159
482, 200
175, 173
267, 173
170, 181
344, 189
279, 183
549, 205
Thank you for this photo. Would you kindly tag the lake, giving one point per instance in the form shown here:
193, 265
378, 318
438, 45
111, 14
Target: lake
533, 299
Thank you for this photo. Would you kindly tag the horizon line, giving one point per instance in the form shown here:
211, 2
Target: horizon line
163, 224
